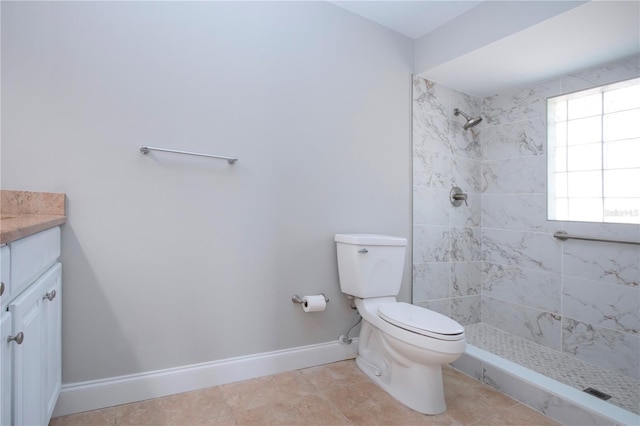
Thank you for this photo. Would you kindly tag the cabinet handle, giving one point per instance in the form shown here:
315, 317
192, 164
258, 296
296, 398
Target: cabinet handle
18, 338
1, 288
50, 296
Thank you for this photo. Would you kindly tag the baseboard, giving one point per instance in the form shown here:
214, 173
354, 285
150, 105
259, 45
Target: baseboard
95, 394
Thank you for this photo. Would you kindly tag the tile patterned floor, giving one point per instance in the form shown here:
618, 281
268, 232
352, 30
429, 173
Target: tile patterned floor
567, 369
332, 394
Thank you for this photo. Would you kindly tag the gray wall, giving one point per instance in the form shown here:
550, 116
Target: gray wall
172, 260
582, 298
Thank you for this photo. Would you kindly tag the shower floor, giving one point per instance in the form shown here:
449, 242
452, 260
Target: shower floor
624, 391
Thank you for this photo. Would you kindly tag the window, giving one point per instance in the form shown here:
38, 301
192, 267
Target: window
594, 154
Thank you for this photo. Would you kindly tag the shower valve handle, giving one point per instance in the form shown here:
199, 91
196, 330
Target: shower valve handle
456, 197
461, 197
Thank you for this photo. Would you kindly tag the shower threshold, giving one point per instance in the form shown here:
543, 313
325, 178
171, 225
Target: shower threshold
548, 380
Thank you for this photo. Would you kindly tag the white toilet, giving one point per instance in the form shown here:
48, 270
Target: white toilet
401, 346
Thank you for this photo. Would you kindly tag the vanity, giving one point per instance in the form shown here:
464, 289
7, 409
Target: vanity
31, 300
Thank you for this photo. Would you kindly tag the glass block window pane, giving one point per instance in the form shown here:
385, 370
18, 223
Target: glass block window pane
622, 210
584, 157
624, 183
584, 184
621, 154
622, 125
585, 209
584, 130
562, 209
594, 154
560, 161
586, 106
622, 99
561, 185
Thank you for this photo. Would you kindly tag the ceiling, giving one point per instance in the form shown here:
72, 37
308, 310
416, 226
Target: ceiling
411, 18
587, 34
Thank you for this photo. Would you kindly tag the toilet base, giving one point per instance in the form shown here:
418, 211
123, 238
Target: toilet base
419, 387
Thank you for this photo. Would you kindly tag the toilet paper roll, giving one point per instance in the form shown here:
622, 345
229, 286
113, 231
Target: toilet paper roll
315, 303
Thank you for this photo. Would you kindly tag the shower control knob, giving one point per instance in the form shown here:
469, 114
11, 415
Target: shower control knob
456, 196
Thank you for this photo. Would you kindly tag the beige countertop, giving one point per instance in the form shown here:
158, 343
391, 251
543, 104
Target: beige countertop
23, 213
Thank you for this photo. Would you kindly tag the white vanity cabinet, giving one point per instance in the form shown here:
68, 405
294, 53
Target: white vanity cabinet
31, 331
6, 382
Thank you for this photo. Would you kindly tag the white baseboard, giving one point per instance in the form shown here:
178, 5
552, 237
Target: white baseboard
95, 394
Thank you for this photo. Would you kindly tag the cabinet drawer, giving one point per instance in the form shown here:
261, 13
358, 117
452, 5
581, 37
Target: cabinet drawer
31, 256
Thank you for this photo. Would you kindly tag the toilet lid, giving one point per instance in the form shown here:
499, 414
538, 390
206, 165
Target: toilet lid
420, 320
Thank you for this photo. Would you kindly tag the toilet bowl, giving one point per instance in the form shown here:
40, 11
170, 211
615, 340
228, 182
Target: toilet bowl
404, 362
401, 347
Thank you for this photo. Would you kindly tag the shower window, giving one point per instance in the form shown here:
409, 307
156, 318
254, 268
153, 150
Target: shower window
594, 154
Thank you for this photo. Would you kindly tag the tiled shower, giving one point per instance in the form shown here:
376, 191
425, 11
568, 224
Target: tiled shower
495, 261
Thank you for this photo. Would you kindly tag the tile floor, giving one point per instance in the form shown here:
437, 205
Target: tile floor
332, 394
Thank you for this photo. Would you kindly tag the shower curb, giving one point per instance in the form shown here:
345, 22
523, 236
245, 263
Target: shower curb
562, 403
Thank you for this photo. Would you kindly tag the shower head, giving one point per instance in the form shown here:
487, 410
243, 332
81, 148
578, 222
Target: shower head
470, 121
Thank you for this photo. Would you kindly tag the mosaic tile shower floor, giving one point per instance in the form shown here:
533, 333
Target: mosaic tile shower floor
624, 391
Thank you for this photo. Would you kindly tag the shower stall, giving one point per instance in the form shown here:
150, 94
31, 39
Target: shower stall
554, 324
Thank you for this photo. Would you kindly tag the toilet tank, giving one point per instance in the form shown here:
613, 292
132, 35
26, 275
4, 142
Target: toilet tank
370, 265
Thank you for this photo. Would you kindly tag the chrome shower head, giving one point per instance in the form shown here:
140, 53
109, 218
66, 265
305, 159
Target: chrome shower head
470, 121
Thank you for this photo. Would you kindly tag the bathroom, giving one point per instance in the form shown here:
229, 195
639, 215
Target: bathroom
172, 261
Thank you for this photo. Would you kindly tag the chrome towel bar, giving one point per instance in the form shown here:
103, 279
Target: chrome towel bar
561, 235
146, 149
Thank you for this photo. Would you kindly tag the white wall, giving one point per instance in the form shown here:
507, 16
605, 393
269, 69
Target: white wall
172, 260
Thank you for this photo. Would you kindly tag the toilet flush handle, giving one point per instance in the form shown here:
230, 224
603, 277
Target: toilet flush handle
363, 251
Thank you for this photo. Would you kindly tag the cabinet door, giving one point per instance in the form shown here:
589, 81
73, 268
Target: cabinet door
6, 385
5, 274
29, 369
52, 341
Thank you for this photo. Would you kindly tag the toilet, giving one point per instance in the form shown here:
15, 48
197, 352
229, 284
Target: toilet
401, 346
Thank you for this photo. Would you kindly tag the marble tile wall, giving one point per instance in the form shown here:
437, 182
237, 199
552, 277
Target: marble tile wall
579, 297
447, 268
496, 260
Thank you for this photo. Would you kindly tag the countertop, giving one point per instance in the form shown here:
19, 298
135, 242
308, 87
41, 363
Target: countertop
23, 213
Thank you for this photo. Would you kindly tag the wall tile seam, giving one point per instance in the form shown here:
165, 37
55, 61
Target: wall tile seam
559, 316
544, 194
521, 157
450, 298
550, 233
518, 230
541, 271
632, 286
634, 335
513, 157
451, 154
534, 117
496, 159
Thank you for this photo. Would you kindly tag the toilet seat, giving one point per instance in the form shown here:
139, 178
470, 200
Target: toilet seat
420, 320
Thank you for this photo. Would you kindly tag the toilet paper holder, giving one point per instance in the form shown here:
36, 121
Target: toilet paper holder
297, 299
